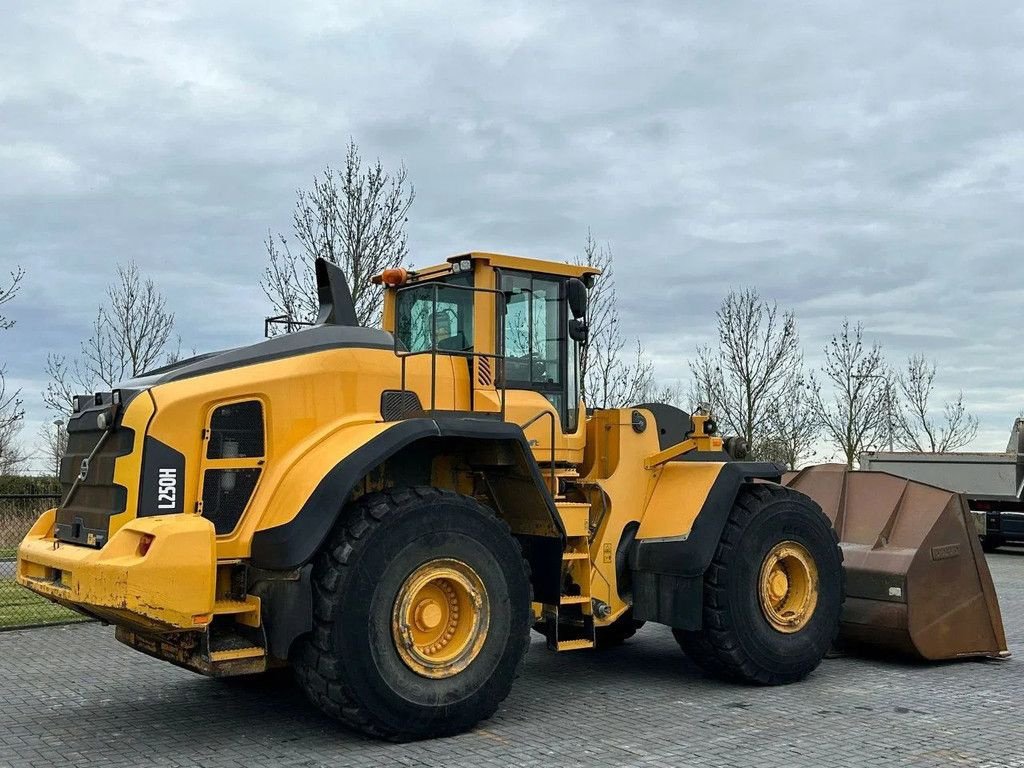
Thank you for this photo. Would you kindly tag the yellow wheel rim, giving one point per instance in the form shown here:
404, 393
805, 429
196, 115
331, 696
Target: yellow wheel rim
788, 586
440, 618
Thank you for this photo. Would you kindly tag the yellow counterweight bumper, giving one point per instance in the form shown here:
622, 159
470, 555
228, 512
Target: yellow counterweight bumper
156, 574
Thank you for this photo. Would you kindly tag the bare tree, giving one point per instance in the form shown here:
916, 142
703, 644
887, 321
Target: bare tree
600, 302
749, 378
667, 393
354, 218
53, 444
916, 428
793, 425
130, 335
858, 413
618, 379
8, 292
11, 411
12, 453
610, 375
12, 456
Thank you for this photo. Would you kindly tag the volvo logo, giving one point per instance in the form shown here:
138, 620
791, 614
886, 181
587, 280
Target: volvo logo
84, 471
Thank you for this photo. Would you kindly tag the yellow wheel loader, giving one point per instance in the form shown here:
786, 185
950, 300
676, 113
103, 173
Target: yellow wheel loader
390, 511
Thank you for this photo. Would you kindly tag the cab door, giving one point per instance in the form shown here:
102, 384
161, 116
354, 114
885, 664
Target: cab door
540, 364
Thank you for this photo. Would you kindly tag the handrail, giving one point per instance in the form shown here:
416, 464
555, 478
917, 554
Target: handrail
285, 320
530, 422
656, 459
435, 286
499, 375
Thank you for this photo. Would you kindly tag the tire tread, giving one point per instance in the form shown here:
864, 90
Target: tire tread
714, 647
318, 669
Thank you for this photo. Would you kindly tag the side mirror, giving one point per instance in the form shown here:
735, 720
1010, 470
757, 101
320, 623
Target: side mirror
578, 330
576, 293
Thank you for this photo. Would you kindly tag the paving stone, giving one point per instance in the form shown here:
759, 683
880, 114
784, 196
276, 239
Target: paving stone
73, 696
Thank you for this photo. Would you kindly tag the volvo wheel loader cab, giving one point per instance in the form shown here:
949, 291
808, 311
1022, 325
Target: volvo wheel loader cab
391, 510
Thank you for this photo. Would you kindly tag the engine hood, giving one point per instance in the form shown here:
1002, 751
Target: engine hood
315, 339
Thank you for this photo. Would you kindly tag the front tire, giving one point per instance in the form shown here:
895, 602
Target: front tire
773, 592
421, 616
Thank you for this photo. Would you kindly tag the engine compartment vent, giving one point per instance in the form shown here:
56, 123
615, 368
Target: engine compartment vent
226, 492
236, 431
396, 404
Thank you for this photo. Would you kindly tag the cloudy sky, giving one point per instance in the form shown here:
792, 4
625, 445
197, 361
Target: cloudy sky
847, 159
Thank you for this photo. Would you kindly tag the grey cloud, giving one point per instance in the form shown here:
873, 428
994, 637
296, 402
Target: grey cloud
855, 159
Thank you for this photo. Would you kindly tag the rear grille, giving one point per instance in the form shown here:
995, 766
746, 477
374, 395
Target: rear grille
236, 431
86, 519
226, 492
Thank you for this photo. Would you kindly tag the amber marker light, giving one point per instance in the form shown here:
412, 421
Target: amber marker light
394, 277
145, 542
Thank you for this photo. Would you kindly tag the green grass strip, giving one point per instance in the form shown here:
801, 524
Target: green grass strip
21, 608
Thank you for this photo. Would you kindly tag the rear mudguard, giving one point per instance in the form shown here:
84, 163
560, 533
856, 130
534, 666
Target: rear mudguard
294, 543
666, 575
281, 555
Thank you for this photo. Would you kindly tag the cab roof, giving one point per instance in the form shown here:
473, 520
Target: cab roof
503, 261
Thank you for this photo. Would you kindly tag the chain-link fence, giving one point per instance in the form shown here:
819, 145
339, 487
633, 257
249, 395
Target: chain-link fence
18, 606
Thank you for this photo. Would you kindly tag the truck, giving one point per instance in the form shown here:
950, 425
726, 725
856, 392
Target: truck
992, 482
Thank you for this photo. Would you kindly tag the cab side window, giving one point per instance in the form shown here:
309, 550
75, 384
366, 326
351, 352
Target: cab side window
446, 323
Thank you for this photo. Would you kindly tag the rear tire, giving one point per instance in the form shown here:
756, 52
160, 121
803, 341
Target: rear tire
991, 543
738, 640
352, 666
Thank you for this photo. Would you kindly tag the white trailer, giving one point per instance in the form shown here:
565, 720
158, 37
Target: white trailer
992, 482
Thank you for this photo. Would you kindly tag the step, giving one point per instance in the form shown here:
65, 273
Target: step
574, 645
233, 654
246, 611
575, 517
575, 555
562, 474
232, 606
573, 600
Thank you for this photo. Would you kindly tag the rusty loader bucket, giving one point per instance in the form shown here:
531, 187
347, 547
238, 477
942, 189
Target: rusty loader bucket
916, 579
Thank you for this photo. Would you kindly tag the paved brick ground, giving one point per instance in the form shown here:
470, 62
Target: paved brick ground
74, 696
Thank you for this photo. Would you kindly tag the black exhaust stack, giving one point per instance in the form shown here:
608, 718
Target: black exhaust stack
336, 305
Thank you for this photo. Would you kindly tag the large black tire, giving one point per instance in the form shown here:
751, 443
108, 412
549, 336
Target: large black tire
618, 632
737, 642
350, 667
991, 543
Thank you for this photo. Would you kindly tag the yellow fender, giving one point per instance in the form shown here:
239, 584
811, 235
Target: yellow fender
307, 501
